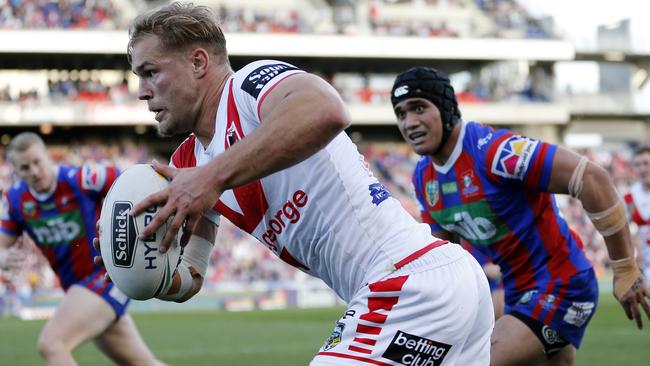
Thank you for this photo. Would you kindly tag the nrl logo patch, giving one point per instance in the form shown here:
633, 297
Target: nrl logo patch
431, 192
335, 337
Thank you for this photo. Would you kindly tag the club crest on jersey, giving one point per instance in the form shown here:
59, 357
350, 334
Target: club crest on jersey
431, 192
335, 337
469, 188
513, 156
93, 177
258, 78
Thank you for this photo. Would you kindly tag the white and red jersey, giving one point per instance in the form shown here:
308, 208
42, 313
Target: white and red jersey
638, 205
328, 215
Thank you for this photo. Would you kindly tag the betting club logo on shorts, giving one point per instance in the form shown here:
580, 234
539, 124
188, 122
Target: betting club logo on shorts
258, 78
408, 349
123, 234
378, 193
512, 157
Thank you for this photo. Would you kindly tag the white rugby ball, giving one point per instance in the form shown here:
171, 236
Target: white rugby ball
135, 266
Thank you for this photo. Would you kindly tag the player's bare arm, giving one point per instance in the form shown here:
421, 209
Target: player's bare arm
298, 117
9, 257
593, 186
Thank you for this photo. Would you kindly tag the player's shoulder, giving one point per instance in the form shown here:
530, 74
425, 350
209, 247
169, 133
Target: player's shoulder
256, 76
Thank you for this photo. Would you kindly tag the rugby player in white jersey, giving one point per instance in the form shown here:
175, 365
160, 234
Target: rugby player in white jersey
638, 204
267, 150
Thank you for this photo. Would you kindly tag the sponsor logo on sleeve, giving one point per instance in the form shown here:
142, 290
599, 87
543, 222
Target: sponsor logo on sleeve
484, 140
513, 156
258, 78
578, 313
378, 193
411, 350
335, 337
93, 177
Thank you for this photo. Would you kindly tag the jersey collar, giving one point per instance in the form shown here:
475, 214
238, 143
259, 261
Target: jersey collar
458, 148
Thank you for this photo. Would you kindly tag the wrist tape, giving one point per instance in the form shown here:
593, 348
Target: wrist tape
626, 276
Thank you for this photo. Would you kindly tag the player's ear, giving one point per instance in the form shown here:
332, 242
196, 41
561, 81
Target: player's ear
200, 60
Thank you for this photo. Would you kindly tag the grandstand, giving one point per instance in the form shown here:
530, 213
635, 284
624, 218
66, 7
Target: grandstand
64, 74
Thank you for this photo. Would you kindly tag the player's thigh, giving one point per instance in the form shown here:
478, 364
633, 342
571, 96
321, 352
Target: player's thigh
81, 316
412, 318
514, 343
122, 342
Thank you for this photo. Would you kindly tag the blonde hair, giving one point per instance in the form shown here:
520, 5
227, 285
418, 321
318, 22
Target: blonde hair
22, 142
179, 25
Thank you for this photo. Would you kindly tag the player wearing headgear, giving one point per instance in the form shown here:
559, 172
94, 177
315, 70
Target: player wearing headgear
495, 188
57, 206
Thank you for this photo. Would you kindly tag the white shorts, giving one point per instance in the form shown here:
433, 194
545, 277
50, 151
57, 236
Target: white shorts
436, 310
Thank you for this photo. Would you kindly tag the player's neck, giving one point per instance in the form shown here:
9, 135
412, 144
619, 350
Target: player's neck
441, 157
204, 129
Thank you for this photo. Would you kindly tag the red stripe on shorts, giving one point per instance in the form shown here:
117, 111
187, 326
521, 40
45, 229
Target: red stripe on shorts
368, 329
417, 254
351, 357
359, 349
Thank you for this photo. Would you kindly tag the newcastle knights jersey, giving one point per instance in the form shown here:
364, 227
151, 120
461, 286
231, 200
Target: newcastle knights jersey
492, 193
62, 222
327, 215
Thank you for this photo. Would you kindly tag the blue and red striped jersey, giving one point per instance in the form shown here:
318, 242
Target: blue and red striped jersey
62, 223
492, 192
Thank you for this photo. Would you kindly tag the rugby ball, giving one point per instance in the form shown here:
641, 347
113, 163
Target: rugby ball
135, 266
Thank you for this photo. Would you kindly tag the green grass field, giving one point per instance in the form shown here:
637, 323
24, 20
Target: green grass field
291, 337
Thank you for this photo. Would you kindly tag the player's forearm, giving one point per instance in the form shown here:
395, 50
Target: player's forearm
606, 211
300, 125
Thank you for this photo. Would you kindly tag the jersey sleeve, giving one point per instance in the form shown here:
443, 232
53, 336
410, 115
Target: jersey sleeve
519, 160
97, 178
8, 225
255, 81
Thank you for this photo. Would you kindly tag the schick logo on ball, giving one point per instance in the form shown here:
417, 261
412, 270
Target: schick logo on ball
124, 235
408, 349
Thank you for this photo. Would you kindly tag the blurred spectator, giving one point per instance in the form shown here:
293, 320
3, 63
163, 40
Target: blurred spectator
67, 14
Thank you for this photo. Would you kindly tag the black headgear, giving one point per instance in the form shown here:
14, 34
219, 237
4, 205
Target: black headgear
433, 85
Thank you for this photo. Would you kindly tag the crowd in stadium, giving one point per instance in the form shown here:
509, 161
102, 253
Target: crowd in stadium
238, 258
510, 19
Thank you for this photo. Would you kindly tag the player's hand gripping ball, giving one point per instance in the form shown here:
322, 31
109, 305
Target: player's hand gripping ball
135, 266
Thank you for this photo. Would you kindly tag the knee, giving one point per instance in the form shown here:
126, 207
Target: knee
49, 347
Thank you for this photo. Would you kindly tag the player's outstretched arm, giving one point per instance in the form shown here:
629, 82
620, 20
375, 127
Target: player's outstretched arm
593, 186
10, 258
298, 117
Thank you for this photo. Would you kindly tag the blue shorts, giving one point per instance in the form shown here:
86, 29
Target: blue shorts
96, 283
564, 307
